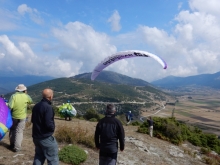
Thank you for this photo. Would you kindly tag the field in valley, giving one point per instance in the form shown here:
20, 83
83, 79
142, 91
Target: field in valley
202, 111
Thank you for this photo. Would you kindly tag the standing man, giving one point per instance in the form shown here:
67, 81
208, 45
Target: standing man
150, 124
108, 131
43, 128
18, 105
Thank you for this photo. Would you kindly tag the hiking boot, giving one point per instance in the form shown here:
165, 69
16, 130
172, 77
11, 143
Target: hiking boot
11, 146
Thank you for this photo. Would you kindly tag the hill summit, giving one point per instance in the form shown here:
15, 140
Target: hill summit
114, 78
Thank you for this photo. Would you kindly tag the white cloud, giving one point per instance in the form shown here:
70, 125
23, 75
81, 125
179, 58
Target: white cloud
210, 6
22, 60
10, 48
33, 13
22, 9
114, 20
191, 47
83, 44
24, 47
2, 55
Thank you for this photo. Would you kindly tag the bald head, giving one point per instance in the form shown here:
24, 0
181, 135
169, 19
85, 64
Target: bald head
48, 94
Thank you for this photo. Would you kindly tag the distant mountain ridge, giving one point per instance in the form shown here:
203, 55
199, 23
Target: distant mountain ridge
114, 78
8, 84
208, 80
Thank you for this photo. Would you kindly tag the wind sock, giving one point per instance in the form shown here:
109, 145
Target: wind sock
5, 118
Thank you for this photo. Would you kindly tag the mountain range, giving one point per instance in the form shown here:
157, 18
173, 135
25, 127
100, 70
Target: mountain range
8, 84
126, 92
206, 80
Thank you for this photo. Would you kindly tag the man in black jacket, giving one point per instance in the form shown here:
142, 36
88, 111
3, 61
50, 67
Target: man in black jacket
108, 131
43, 128
151, 125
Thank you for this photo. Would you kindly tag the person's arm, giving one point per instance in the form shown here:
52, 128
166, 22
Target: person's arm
49, 119
32, 115
97, 133
11, 102
29, 99
121, 136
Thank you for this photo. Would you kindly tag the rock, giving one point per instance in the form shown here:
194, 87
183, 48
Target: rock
213, 153
18, 155
86, 152
176, 152
185, 145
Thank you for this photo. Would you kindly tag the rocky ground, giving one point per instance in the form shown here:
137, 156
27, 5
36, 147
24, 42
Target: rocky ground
140, 149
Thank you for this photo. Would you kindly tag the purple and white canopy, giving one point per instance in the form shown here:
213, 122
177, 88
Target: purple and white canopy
123, 55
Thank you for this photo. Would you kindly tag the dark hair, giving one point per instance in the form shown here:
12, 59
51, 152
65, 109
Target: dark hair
110, 108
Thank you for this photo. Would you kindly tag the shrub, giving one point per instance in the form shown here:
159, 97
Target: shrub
93, 120
72, 155
75, 135
173, 133
136, 123
82, 118
56, 110
176, 132
205, 150
211, 160
143, 130
92, 113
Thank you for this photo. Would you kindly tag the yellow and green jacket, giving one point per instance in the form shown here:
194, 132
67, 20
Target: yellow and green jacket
18, 105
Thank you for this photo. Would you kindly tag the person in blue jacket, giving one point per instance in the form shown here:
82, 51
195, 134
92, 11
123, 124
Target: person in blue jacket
129, 117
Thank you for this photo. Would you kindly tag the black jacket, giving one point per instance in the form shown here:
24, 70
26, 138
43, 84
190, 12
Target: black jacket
150, 122
42, 119
108, 131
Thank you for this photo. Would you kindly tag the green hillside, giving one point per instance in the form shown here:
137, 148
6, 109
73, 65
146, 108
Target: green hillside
83, 90
114, 78
85, 94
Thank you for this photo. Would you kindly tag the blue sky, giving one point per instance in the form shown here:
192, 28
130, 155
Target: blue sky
62, 38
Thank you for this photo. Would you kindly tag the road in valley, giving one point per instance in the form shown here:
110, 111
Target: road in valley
163, 107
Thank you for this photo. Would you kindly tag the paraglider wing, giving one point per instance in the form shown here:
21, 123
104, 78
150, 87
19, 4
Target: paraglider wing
5, 118
123, 55
67, 110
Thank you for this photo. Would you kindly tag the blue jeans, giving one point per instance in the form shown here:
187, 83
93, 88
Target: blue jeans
46, 148
107, 158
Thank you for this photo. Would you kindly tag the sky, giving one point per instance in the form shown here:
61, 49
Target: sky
63, 38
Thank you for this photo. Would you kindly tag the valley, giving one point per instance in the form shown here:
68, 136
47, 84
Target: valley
201, 109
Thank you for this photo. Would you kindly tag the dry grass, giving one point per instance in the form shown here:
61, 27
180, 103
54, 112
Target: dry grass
67, 134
